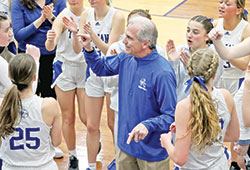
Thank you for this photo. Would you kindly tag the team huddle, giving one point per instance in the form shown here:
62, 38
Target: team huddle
181, 106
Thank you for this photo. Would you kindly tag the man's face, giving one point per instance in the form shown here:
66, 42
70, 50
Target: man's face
132, 44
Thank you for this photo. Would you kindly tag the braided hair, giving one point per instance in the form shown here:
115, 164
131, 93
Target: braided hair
204, 122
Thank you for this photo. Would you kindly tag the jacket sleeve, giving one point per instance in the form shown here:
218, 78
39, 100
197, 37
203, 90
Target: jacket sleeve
21, 32
165, 90
103, 66
61, 5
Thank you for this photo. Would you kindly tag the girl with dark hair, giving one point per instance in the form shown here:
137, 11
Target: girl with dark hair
197, 38
6, 34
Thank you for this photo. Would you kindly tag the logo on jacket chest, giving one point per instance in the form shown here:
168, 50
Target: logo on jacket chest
142, 84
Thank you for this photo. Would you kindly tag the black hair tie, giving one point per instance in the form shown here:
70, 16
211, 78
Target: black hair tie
20, 87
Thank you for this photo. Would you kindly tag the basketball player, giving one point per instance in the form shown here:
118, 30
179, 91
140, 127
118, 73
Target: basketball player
233, 24
6, 35
69, 74
30, 126
204, 119
197, 38
105, 26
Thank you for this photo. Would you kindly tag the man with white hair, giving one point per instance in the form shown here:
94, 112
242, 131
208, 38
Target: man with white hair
147, 95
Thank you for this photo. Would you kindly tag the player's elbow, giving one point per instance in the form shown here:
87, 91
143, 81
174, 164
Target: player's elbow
181, 162
180, 159
56, 142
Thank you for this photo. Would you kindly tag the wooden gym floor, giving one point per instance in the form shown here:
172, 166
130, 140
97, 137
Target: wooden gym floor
171, 18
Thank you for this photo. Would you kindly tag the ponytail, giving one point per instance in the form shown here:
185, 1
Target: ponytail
244, 14
204, 122
22, 69
241, 4
9, 111
108, 2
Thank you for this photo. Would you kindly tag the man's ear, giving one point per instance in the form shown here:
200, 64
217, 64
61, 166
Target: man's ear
145, 44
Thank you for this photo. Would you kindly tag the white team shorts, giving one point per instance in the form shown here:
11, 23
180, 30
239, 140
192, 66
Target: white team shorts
114, 99
97, 86
69, 75
244, 138
51, 165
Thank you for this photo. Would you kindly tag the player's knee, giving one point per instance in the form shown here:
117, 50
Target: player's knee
92, 128
68, 120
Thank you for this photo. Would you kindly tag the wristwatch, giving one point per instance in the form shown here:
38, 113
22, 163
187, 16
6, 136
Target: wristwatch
52, 19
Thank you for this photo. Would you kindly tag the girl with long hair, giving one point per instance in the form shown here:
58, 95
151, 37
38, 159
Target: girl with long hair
204, 119
30, 126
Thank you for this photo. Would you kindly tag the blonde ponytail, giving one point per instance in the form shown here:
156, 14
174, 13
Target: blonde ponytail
204, 122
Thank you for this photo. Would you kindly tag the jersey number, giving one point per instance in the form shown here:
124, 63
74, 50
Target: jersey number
31, 142
221, 123
227, 65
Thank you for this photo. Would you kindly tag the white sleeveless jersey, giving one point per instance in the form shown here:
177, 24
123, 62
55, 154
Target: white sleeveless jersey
231, 38
30, 144
5, 82
244, 131
181, 71
103, 27
64, 47
213, 157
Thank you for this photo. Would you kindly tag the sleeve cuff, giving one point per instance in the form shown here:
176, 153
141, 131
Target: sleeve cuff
146, 124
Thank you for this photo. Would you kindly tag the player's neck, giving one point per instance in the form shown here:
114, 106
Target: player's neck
231, 24
26, 93
100, 13
77, 11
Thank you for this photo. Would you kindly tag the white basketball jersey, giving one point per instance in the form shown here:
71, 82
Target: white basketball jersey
64, 47
181, 71
244, 131
102, 28
231, 38
213, 156
30, 144
5, 82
